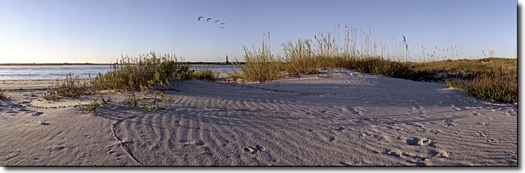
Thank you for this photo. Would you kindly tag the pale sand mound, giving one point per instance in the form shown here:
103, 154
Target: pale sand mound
340, 119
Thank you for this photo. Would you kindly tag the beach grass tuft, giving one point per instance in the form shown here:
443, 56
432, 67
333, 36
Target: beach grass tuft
488, 78
261, 65
91, 107
132, 72
71, 87
205, 74
142, 78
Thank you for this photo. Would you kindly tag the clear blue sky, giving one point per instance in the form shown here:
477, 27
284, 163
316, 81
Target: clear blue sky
101, 30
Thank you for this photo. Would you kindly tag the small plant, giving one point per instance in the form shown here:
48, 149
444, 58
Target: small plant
205, 74
71, 87
144, 98
52, 96
91, 107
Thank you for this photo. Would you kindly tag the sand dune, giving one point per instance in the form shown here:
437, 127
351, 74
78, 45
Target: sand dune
343, 118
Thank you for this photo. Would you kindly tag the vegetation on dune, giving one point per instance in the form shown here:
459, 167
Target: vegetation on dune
132, 72
205, 74
260, 64
142, 78
488, 78
71, 87
91, 107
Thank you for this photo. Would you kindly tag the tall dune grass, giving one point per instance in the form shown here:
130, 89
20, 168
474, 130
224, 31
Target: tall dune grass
489, 78
132, 72
144, 74
261, 65
205, 74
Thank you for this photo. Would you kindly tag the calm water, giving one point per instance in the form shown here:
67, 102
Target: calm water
84, 71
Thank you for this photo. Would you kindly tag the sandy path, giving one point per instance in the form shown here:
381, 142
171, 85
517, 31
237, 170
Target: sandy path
346, 119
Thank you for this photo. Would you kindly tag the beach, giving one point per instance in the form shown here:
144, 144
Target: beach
337, 118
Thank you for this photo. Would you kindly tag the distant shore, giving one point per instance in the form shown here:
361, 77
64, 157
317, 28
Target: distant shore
45, 64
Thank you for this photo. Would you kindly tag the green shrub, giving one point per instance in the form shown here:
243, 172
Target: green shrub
130, 73
205, 74
488, 78
91, 107
495, 84
71, 87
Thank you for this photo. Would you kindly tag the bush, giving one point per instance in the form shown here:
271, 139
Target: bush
91, 107
130, 73
205, 74
495, 85
147, 75
71, 87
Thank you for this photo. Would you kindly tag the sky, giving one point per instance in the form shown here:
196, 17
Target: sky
101, 31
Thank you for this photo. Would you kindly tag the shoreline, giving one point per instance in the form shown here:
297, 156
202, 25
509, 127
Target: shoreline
65, 64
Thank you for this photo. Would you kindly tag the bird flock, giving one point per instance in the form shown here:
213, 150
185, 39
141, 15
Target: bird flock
221, 24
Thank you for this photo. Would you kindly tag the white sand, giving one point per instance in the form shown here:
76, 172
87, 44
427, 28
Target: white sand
341, 119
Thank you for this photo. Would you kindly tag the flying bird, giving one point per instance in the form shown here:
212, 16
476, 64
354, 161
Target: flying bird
207, 20
199, 19
217, 21
222, 23
222, 27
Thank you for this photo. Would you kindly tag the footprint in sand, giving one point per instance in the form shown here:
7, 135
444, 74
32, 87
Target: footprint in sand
331, 139
59, 148
449, 123
253, 149
192, 142
226, 142
481, 134
438, 153
482, 124
415, 141
391, 153
411, 158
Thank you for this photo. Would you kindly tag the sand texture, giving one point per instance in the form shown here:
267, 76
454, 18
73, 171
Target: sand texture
342, 118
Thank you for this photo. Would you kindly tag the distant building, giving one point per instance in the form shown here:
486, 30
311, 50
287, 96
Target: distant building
227, 62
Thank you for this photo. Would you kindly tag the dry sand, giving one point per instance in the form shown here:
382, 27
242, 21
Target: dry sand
343, 118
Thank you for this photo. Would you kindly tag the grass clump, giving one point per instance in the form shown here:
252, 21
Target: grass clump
488, 78
91, 107
493, 83
380, 66
142, 78
205, 74
71, 87
261, 65
150, 97
131, 72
